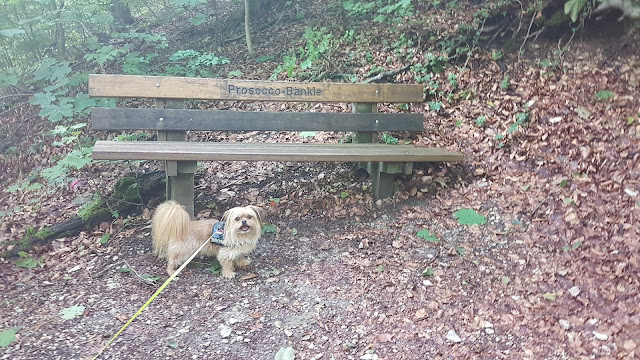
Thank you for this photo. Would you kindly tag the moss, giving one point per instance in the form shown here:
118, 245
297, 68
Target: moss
43, 234
90, 209
127, 190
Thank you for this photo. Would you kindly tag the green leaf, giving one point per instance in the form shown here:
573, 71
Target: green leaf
105, 238
124, 270
269, 228
12, 32
9, 80
573, 8
344, 195
72, 312
428, 272
550, 296
469, 217
287, 353
173, 344
427, 236
198, 19
308, 133
152, 279
264, 58
82, 102
505, 280
8, 336
215, 267
26, 261
380, 268
604, 95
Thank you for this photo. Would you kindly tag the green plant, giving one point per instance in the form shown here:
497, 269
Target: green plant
521, 119
358, 8
469, 217
496, 55
389, 139
27, 261
75, 160
574, 7
604, 95
318, 42
72, 312
453, 80
193, 63
428, 272
215, 267
88, 209
481, 120
269, 228
506, 83
427, 236
7, 336
435, 105
395, 10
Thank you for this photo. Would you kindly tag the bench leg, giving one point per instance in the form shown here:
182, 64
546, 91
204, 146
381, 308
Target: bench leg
382, 182
180, 183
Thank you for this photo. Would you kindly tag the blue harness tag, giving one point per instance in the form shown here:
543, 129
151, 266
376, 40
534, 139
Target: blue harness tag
218, 231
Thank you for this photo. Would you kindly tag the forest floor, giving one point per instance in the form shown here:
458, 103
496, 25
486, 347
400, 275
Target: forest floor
553, 274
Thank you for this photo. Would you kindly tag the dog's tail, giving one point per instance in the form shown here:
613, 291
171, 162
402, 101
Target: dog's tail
170, 221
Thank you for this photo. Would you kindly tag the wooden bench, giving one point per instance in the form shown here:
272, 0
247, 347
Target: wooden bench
172, 121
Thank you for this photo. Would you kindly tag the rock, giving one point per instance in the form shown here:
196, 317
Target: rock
565, 324
574, 291
369, 356
453, 336
225, 331
600, 336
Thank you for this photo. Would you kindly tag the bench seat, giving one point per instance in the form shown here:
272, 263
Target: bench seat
225, 151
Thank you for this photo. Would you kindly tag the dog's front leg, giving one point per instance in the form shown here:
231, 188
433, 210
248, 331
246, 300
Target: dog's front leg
227, 268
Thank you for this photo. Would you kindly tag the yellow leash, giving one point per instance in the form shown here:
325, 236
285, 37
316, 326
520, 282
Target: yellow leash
152, 297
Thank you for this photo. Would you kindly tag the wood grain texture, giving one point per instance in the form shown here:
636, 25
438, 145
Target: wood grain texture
225, 120
136, 86
179, 150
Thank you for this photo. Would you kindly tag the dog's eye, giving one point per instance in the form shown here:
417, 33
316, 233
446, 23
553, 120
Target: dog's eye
249, 216
237, 218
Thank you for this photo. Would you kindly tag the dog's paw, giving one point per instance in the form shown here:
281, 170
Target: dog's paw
228, 274
243, 262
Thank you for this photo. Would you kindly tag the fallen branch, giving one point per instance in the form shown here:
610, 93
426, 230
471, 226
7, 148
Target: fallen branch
386, 74
126, 198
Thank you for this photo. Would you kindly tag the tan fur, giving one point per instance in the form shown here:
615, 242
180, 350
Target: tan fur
176, 237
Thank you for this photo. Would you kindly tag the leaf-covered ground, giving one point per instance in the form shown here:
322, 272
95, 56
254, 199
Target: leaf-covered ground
553, 274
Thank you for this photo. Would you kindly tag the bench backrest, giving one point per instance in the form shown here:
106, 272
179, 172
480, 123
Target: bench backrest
363, 119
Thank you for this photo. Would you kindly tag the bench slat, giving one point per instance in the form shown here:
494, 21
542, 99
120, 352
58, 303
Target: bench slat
222, 151
136, 86
225, 120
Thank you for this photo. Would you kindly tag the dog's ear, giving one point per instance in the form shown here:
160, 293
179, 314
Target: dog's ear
258, 211
225, 216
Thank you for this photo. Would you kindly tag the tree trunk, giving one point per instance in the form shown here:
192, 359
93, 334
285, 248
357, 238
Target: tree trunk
60, 38
247, 30
121, 14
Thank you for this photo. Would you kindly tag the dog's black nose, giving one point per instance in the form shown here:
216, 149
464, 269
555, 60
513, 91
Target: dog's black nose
244, 222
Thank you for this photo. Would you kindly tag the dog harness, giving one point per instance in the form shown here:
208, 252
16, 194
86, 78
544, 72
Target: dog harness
217, 233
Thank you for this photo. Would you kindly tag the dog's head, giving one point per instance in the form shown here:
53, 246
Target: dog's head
243, 224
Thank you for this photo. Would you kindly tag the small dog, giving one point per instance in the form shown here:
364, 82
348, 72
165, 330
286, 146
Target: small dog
176, 237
